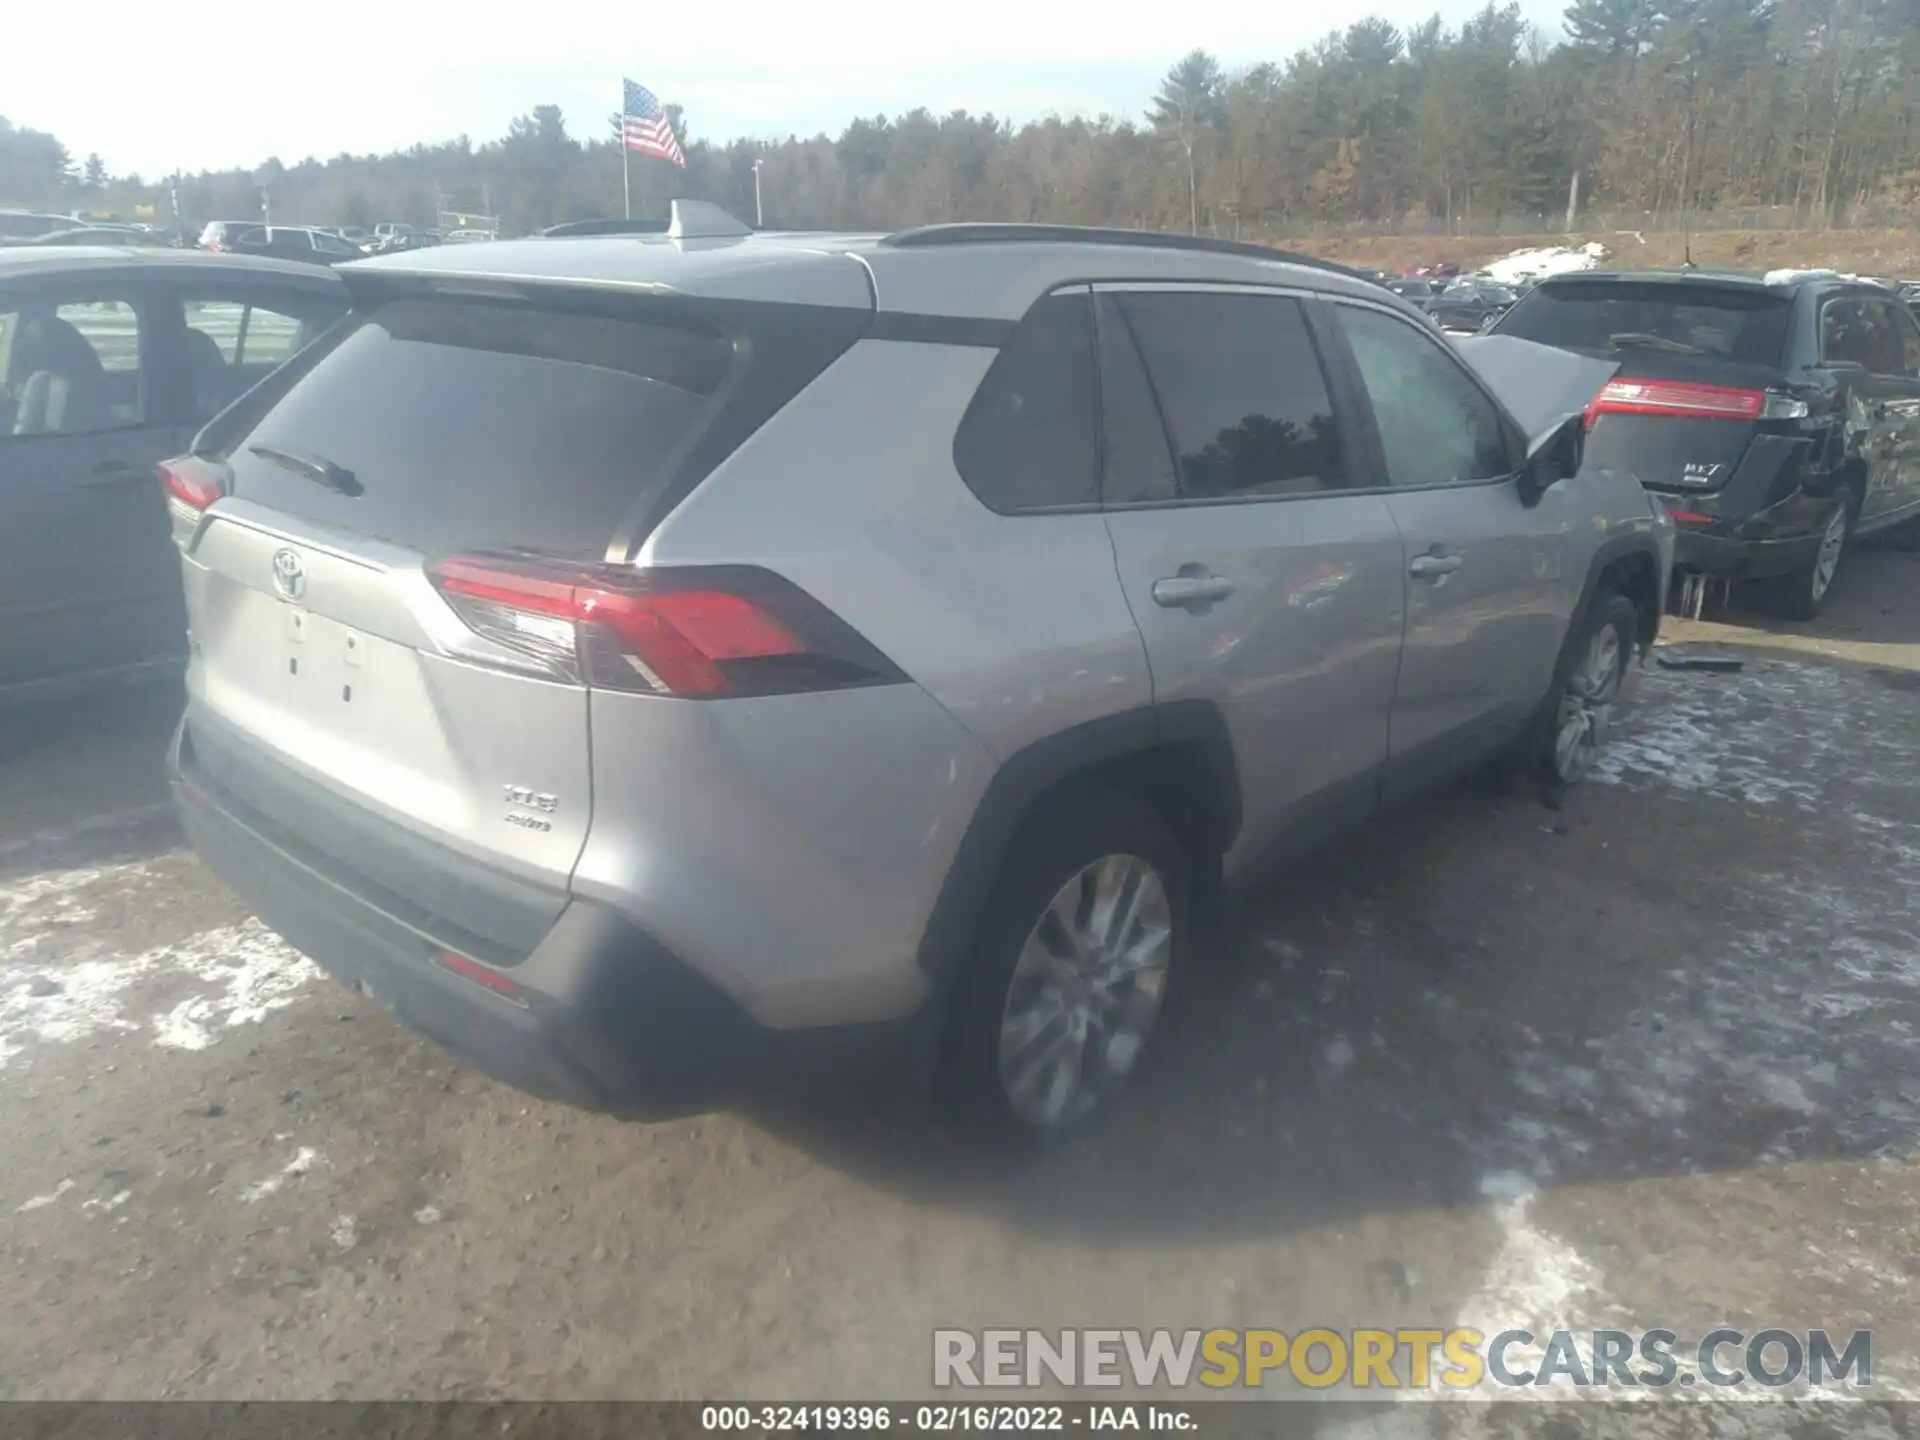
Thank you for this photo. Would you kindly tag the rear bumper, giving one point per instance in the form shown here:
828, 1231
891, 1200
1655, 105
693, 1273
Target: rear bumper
599, 1015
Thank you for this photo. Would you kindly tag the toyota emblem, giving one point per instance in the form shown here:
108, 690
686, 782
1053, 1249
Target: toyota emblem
289, 574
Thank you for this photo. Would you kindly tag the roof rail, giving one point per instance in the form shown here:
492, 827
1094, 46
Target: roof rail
973, 233
606, 227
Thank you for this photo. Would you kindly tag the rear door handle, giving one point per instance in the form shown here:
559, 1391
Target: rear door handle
1433, 567
1177, 590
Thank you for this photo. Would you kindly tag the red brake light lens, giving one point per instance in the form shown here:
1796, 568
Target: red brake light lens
1676, 398
192, 482
191, 485
700, 632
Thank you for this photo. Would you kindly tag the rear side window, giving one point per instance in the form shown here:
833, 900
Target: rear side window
1241, 390
1725, 322
469, 425
1027, 441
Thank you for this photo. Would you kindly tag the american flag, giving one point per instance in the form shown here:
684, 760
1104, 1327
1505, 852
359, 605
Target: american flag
644, 127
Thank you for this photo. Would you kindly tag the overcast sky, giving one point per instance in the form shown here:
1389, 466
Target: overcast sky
210, 84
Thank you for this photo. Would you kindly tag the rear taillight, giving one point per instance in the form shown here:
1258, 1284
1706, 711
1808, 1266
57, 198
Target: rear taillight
703, 632
1690, 517
192, 484
1689, 399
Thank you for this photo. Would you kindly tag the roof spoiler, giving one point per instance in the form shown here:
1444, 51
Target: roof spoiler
699, 220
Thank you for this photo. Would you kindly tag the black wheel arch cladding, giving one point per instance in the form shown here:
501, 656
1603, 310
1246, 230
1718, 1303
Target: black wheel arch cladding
1183, 746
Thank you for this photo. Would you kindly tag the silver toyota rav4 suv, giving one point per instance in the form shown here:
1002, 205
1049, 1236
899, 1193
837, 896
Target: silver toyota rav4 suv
634, 660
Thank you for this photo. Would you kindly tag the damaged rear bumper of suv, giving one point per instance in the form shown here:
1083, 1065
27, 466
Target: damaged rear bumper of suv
597, 1014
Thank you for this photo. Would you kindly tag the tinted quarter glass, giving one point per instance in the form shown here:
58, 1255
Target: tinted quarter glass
475, 425
1240, 387
1747, 324
1027, 441
1436, 426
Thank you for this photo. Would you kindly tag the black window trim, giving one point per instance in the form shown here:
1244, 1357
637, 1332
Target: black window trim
1351, 433
1352, 381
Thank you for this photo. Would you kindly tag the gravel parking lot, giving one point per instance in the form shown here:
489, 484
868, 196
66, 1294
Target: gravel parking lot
1648, 1060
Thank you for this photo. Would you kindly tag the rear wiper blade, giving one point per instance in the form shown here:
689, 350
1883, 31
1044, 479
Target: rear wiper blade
1637, 341
316, 468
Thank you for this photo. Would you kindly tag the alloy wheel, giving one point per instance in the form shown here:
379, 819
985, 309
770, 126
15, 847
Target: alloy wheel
1586, 705
1085, 991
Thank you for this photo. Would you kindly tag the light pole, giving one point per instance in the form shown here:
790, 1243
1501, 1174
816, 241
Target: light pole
759, 217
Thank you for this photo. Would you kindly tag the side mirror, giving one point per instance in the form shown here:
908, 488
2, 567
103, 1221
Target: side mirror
1557, 457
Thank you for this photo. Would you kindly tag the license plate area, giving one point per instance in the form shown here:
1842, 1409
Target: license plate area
326, 669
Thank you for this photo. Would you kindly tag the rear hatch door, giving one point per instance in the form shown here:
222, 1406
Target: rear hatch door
326, 666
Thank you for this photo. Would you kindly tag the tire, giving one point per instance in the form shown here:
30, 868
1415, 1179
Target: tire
1803, 594
1022, 979
1539, 754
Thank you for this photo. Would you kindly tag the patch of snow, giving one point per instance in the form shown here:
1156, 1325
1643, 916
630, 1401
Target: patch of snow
40, 1202
1817, 272
1337, 1054
304, 1159
344, 1234
252, 973
56, 887
1779, 732
428, 1215
102, 1207
1548, 260
1534, 1281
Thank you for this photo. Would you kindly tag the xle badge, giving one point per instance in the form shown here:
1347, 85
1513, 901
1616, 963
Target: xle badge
525, 799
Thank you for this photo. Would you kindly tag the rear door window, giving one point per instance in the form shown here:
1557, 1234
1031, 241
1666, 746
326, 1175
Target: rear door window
1239, 385
470, 425
1747, 324
1028, 441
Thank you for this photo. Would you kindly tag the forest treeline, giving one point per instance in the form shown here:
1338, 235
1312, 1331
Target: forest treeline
1807, 110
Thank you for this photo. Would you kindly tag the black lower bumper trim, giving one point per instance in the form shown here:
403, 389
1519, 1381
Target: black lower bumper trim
1742, 559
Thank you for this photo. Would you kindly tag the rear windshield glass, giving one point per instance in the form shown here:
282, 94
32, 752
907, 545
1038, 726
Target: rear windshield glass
467, 425
1724, 323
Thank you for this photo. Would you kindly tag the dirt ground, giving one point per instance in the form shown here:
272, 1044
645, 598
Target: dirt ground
1889, 254
1645, 1061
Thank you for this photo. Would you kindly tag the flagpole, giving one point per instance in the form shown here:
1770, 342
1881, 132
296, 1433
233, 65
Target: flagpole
626, 179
